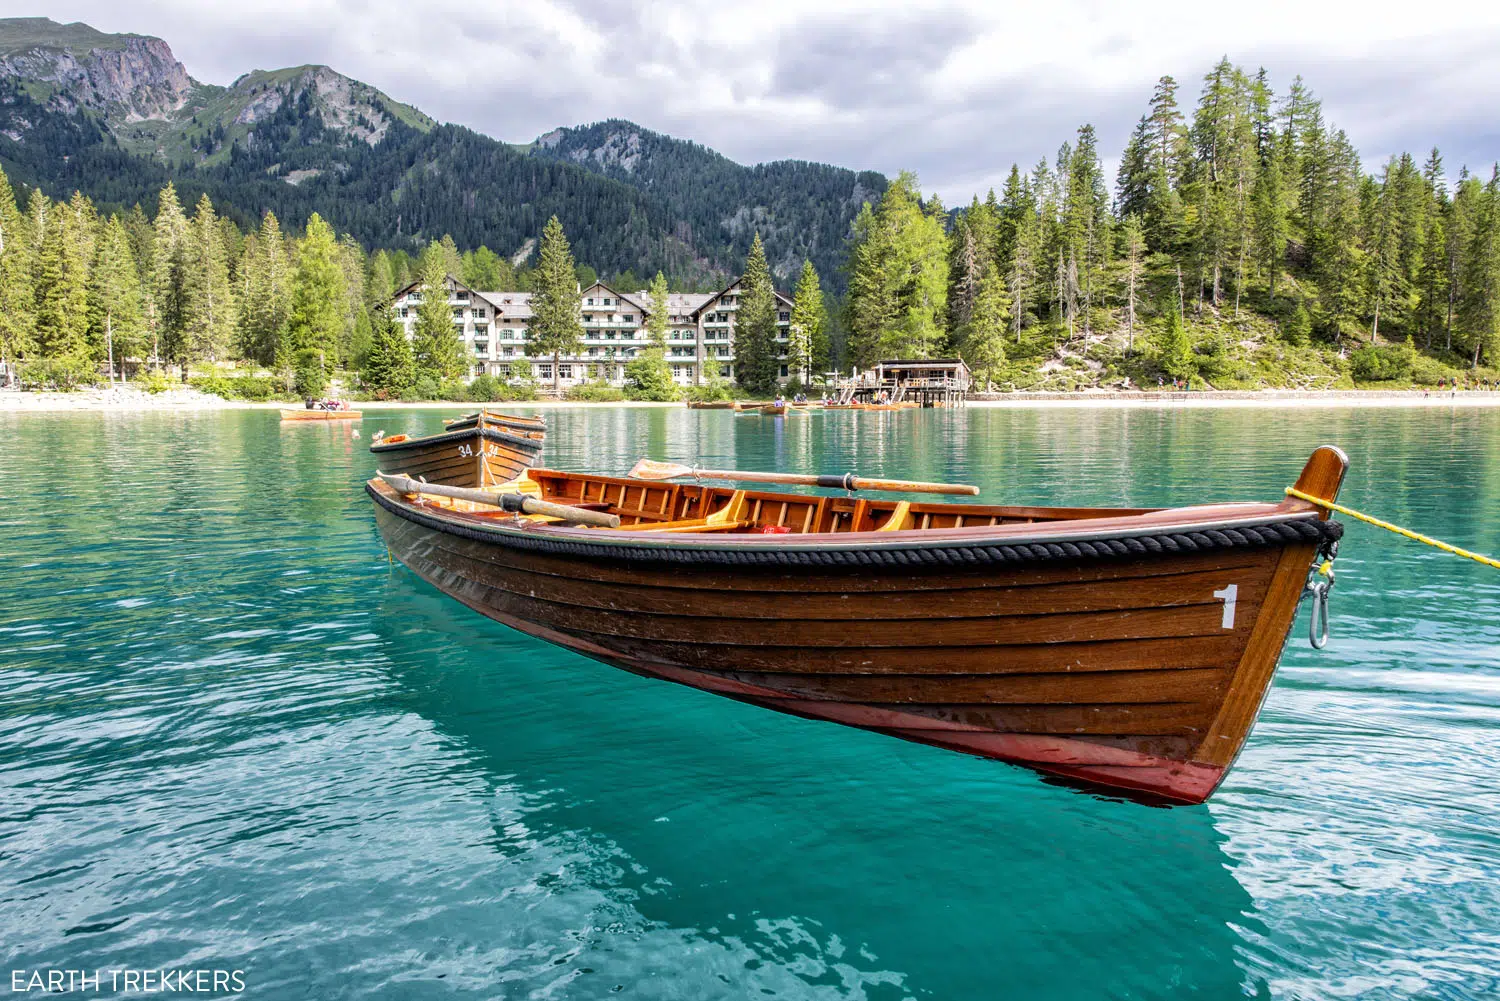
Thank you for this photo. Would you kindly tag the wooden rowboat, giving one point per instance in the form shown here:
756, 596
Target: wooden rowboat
490, 417
287, 414
1121, 648
478, 455
712, 405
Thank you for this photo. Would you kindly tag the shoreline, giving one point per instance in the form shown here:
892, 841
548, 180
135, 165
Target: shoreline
191, 401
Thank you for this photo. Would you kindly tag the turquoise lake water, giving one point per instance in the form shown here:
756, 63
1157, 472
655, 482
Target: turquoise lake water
233, 736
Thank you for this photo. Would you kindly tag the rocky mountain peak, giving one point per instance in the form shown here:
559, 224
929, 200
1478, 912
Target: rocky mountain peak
130, 77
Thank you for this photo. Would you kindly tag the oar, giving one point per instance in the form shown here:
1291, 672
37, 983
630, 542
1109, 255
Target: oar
649, 469
505, 502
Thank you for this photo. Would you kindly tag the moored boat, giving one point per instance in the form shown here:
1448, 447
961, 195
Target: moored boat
512, 421
315, 414
1123, 648
479, 454
712, 405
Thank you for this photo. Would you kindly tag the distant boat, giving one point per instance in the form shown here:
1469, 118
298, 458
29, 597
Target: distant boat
1122, 648
466, 454
315, 414
712, 405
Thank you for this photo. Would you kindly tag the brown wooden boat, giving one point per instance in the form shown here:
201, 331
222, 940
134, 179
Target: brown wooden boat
300, 414
1122, 648
480, 454
512, 421
712, 405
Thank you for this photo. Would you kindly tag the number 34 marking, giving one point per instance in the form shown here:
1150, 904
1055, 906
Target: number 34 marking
1228, 595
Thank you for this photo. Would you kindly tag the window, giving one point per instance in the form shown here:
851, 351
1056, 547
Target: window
565, 371
478, 370
607, 302
458, 312
783, 371
405, 312
508, 351
588, 302
784, 316
544, 371
480, 313
628, 317
461, 296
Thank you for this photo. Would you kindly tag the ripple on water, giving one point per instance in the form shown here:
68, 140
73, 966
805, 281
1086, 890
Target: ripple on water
234, 736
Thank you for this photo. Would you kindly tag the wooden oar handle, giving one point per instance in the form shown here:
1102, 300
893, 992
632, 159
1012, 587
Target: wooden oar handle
505, 502
915, 486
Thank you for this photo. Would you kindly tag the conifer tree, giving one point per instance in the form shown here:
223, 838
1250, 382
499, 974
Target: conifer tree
165, 312
315, 313
264, 308
1133, 237
984, 336
380, 283
555, 328
898, 277
116, 296
1271, 213
62, 288
17, 297
756, 364
806, 332
436, 348
659, 320
1174, 353
389, 368
1479, 307
487, 271
208, 297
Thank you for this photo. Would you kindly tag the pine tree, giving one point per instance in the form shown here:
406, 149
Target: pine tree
435, 346
1133, 238
62, 288
17, 296
208, 297
1479, 309
389, 368
806, 333
165, 310
116, 296
355, 339
380, 283
659, 320
1433, 279
1174, 353
266, 302
966, 263
555, 328
898, 277
487, 271
755, 355
1271, 211
984, 337
315, 313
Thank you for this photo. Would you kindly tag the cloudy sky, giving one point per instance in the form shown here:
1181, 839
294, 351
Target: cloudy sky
955, 91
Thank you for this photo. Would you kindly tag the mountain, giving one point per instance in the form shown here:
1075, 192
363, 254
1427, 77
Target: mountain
116, 116
801, 210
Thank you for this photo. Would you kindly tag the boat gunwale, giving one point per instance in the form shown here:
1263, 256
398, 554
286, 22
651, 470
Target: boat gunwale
447, 437
1016, 534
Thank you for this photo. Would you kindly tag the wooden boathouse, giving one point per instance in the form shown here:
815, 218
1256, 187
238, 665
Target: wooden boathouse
930, 382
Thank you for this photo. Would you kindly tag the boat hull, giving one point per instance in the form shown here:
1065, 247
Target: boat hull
466, 457
1134, 673
320, 415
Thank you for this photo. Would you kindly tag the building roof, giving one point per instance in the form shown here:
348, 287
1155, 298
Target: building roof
510, 305
923, 363
678, 303
780, 299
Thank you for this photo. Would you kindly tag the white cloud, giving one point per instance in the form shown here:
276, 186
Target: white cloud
956, 91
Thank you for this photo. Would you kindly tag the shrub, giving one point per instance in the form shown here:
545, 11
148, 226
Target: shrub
485, 389
154, 382
62, 374
596, 392
709, 393
648, 377
452, 389
1383, 364
425, 388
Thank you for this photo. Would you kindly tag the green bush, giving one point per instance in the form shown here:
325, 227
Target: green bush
595, 392
62, 374
708, 394
453, 390
648, 377
425, 388
1383, 364
154, 382
256, 389
486, 389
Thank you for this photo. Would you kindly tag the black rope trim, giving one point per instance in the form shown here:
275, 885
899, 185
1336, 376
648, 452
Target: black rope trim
1165, 544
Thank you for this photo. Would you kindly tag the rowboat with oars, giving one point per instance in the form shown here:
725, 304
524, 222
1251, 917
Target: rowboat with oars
474, 454
712, 405
317, 414
1122, 648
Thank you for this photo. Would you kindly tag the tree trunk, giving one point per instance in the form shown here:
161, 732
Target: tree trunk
109, 345
1375, 330
556, 373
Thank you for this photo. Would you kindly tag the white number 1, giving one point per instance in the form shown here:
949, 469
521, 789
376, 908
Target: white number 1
1228, 596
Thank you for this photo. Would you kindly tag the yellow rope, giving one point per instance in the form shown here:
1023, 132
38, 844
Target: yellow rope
1341, 509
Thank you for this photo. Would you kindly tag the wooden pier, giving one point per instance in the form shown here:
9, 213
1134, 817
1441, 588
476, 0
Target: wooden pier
931, 382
